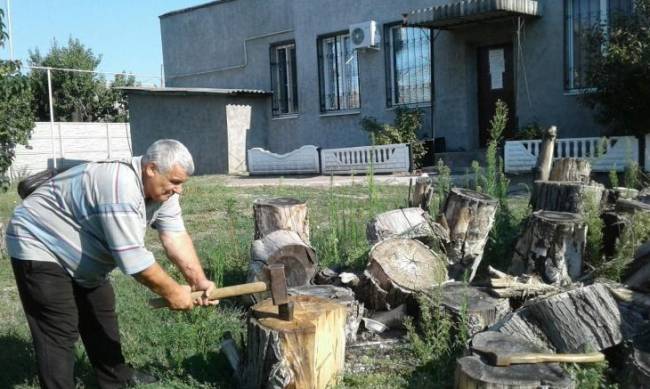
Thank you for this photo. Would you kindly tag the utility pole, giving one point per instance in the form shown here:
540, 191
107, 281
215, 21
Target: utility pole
49, 94
11, 38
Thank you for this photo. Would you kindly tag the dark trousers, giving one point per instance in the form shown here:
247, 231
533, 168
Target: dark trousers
58, 310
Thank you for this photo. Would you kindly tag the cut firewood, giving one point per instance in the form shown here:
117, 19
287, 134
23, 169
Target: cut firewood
287, 248
614, 224
343, 296
307, 352
422, 193
396, 269
281, 214
637, 365
407, 223
637, 274
571, 169
475, 372
480, 310
552, 246
580, 320
393, 319
631, 206
470, 217
566, 196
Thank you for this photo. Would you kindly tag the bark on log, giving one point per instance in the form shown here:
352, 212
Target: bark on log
470, 217
398, 268
637, 274
307, 352
631, 206
571, 169
287, 248
481, 309
422, 193
473, 372
407, 223
552, 246
545, 157
281, 214
580, 320
343, 296
566, 196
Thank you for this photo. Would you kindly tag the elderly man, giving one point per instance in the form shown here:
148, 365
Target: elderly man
69, 234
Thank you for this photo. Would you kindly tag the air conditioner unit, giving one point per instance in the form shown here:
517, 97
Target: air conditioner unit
364, 35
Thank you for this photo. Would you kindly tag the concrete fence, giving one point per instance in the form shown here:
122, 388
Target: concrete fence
66, 143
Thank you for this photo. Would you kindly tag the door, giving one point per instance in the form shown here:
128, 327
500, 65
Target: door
495, 81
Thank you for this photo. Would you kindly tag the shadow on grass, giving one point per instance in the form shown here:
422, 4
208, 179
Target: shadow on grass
17, 361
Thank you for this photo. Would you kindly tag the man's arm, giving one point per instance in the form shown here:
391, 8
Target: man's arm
180, 250
155, 278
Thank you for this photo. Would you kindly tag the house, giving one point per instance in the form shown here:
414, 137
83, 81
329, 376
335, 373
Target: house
531, 54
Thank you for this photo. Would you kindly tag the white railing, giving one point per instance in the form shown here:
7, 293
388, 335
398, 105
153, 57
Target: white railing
358, 160
300, 161
605, 154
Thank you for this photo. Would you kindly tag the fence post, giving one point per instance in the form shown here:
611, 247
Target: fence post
108, 141
61, 152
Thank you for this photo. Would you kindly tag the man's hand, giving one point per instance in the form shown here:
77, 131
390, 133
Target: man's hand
206, 286
181, 299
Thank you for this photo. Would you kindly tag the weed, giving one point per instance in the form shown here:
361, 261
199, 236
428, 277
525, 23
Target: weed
595, 226
590, 376
493, 169
631, 175
634, 235
613, 177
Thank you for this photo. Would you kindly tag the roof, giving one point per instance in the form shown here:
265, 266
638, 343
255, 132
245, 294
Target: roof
471, 11
194, 91
189, 9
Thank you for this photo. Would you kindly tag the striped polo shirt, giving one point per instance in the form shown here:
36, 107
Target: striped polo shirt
91, 219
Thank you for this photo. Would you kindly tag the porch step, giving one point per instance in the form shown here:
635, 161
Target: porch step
459, 161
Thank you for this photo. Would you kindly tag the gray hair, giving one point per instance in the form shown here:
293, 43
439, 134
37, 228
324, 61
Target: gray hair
166, 153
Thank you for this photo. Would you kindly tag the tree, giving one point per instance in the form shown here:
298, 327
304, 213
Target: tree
16, 117
77, 96
619, 71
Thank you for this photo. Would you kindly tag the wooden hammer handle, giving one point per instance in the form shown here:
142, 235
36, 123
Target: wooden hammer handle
539, 358
219, 293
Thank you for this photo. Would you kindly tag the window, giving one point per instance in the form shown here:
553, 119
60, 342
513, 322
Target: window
408, 59
284, 80
338, 74
581, 16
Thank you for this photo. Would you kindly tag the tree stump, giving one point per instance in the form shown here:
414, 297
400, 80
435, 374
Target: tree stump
422, 193
481, 309
552, 246
287, 248
398, 268
307, 352
407, 223
571, 169
580, 320
566, 196
343, 296
281, 214
470, 217
474, 372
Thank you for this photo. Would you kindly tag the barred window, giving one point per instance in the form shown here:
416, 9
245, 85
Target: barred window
284, 80
581, 17
338, 74
408, 59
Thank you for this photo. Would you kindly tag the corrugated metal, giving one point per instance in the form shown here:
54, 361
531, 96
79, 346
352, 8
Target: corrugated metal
187, 91
468, 11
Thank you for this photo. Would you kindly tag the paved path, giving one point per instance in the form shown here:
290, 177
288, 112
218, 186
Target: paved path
315, 181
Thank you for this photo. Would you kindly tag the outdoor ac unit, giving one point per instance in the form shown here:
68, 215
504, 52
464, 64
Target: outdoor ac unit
364, 35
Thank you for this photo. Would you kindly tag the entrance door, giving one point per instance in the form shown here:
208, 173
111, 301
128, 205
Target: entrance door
495, 81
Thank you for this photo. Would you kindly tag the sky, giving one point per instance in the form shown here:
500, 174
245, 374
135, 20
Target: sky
125, 32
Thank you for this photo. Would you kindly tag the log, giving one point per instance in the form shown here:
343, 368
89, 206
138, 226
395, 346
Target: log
396, 269
474, 372
281, 214
629, 206
422, 193
480, 309
637, 273
566, 196
407, 223
343, 296
571, 169
553, 246
470, 217
614, 224
637, 364
545, 157
287, 248
580, 320
307, 352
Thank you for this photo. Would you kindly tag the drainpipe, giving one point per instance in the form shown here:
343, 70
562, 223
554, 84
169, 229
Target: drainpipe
432, 89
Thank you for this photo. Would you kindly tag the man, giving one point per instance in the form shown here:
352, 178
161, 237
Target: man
67, 236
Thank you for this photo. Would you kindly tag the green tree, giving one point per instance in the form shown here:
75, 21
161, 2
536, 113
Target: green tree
77, 96
16, 118
619, 71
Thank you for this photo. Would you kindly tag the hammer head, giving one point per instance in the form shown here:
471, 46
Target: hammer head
279, 291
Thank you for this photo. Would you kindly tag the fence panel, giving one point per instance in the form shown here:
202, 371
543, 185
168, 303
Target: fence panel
66, 142
357, 160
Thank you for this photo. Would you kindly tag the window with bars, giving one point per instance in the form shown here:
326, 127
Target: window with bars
408, 60
284, 79
581, 17
338, 74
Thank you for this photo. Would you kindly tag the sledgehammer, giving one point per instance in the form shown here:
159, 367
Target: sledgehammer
277, 284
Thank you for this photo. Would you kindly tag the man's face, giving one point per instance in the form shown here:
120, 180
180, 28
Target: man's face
160, 187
